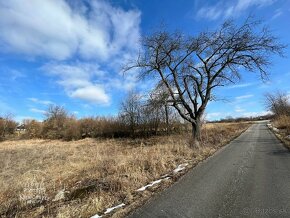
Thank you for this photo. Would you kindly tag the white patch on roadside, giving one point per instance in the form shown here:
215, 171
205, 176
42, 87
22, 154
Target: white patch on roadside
96, 216
113, 208
180, 168
151, 184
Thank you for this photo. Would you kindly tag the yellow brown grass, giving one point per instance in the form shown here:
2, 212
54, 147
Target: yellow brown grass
282, 122
95, 173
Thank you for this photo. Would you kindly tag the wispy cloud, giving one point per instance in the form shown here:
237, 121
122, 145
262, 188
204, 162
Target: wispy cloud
36, 110
86, 81
44, 102
58, 29
243, 97
66, 31
255, 114
238, 109
80, 80
16, 74
20, 119
277, 13
225, 9
240, 85
213, 115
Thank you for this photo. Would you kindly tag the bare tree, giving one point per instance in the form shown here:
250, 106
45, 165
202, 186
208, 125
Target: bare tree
131, 111
56, 112
7, 125
54, 124
159, 101
278, 102
191, 67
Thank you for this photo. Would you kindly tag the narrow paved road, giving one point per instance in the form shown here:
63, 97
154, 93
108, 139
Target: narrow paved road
250, 177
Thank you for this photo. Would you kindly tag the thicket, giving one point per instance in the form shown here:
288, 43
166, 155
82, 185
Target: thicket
137, 118
279, 104
7, 126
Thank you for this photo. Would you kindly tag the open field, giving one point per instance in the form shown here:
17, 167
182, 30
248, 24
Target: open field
52, 178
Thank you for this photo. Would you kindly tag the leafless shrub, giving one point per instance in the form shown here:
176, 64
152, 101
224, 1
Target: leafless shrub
54, 124
72, 130
7, 125
278, 103
33, 129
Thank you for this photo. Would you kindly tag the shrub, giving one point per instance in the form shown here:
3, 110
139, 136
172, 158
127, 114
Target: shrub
54, 125
72, 130
33, 129
7, 126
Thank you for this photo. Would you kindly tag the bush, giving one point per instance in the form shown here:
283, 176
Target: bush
72, 130
54, 125
7, 126
87, 127
33, 129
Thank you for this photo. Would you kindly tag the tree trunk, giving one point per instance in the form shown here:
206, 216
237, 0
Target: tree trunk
166, 118
196, 136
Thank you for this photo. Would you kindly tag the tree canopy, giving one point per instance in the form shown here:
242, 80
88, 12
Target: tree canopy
191, 67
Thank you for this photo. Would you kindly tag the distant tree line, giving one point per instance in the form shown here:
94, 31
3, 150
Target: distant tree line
230, 119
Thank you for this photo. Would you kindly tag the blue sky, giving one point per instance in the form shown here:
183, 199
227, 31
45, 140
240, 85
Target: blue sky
71, 53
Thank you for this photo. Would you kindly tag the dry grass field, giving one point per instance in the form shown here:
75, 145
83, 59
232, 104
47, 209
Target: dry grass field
282, 123
51, 178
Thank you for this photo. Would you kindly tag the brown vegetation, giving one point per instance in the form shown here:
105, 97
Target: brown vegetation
282, 123
53, 178
279, 103
137, 118
7, 126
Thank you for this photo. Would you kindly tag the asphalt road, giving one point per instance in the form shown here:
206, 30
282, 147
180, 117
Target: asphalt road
250, 177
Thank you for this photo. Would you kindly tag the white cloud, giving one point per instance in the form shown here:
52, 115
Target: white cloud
239, 85
277, 13
255, 114
80, 80
243, 97
58, 30
66, 31
36, 100
20, 119
93, 93
36, 110
225, 9
213, 115
239, 109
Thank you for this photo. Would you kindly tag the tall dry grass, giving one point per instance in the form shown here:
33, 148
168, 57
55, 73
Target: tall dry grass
282, 122
93, 174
